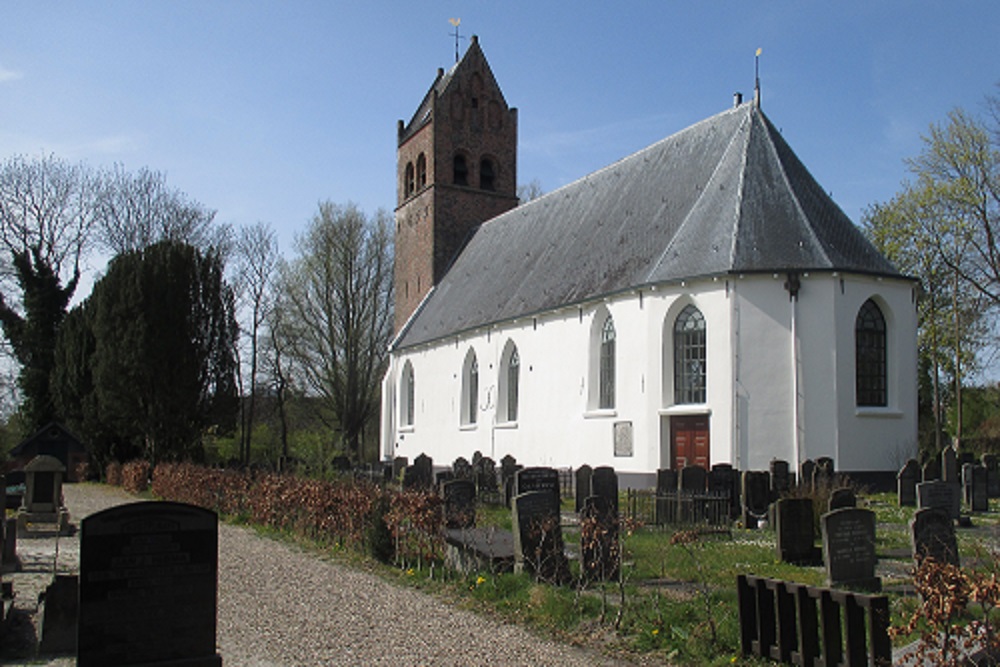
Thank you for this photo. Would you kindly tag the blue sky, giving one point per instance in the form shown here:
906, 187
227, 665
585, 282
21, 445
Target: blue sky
262, 109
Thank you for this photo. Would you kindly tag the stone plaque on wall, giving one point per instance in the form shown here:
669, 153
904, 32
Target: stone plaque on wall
623, 439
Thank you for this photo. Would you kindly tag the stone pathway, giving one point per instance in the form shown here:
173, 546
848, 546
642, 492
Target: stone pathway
279, 605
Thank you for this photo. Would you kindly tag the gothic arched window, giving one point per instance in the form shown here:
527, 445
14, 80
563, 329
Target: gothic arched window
408, 183
421, 171
470, 389
407, 395
606, 378
870, 356
689, 356
509, 383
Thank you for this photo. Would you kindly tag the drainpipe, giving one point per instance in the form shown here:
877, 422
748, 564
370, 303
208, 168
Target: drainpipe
792, 284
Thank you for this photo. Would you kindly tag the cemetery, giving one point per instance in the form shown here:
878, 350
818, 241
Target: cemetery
753, 564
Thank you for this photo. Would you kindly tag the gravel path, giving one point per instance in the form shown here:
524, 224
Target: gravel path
279, 605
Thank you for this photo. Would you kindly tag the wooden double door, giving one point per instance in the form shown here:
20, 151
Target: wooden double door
688, 441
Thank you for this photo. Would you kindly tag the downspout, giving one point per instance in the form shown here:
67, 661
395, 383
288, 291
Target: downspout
792, 284
734, 319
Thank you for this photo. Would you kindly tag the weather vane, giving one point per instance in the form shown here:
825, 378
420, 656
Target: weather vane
455, 22
756, 76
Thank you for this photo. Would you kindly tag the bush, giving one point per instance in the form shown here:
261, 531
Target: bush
135, 476
113, 474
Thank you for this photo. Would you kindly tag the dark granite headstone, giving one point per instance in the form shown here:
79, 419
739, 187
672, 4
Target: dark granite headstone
980, 501
931, 471
780, 478
459, 497
442, 477
599, 546
398, 466
966, 473
756, 496
823, 473
604, 484
691, 479
842, 497
486, 474
806, 469
538, 542
59, 615
582, 485
666, 485
537, 479
723, 482
992, 465
423, 468
906, 483
949, 466
940, 495
932, 535
148, 580
462, 468
849, 548
794, 528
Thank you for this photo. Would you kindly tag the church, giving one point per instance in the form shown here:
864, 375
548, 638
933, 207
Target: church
701, 301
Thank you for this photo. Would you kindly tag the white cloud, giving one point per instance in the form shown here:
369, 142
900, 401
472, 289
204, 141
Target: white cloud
9, 75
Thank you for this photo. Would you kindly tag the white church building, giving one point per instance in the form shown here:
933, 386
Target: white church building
701, 301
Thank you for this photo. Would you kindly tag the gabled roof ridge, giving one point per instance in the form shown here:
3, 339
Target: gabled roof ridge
616, 164
805, 221
704, 192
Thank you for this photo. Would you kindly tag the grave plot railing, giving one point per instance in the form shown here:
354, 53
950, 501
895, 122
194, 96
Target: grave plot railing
677, 509
811, 626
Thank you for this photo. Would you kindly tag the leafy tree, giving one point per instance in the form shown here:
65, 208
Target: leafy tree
156, 337
336, 315
47, 211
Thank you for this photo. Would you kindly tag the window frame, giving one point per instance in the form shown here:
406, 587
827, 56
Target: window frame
690, 348
871, 356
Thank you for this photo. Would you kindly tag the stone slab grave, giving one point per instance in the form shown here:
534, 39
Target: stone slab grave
486, 549
992, 465
849, 548
795, 534
781, 480
941, 495
949, 466
974, 481
148, 586
599, 530
582, 478
931, 471
756, 496
842, 497
538, 479
932, 535
666, 484
906, 483
724, 480
459, 499
538, 541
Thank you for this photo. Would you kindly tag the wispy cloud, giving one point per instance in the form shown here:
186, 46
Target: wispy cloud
9, 75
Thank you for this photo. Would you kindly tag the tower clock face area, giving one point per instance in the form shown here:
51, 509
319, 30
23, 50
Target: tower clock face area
457, 168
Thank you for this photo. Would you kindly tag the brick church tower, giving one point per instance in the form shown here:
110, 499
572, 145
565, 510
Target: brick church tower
456, 168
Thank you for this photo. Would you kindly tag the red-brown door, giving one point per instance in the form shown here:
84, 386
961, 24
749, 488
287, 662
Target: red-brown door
689, 440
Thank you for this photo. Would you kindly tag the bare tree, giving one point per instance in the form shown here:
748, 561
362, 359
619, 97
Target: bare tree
256, 255
338, 314
138, 209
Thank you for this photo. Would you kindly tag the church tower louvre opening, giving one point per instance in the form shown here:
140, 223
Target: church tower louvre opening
456, 168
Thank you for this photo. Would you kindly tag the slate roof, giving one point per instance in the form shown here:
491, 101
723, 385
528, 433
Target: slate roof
724, 196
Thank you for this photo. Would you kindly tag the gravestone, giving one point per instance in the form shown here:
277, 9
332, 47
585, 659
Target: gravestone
538, 542
59, 616
599, 546
722, 482
486, 474
582, 486
691, 479
443, 477
604, 484
842, 497
41, 508
148, 586
756, 496
931, 471
949, 466
423, 472
992, 465
398, 466
932, 535
906, 483
462, 468
823, 472
966, 471
508, 466
459, 497
538, 479
794, 528
806, 469
849, 548
939, 495
780, 478
666, 493
980, 501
